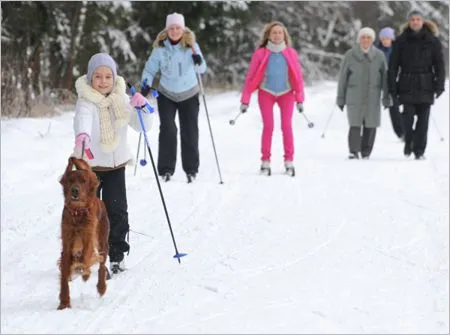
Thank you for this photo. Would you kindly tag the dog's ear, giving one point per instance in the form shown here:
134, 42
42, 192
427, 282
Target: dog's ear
94, 183
68, 169
81, 164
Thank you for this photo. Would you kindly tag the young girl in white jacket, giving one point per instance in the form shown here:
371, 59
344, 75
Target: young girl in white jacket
102, 115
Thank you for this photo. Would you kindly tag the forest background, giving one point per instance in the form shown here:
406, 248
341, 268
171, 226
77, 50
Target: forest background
46, 45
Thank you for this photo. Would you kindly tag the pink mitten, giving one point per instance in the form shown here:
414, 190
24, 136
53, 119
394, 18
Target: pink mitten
138, 100
79, 140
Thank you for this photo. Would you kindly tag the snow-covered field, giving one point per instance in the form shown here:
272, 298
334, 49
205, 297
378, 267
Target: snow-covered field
344, 247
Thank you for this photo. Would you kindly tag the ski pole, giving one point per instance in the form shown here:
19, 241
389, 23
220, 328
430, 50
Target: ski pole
202, 92
143, 161
328, 121
233, 121
137, 154
437, 128
310, 124
177, 255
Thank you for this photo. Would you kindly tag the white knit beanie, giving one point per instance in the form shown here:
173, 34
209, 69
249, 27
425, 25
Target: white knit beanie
175, 18
366, 31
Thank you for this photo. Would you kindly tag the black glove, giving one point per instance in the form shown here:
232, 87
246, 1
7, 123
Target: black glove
145, 90
341, 107
393, 94
300, 107
395, 100
197, 59
439, 92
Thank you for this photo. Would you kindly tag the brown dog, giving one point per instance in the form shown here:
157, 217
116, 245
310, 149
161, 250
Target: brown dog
84, 229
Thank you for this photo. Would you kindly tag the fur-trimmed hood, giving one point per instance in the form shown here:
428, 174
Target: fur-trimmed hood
187, 40
427, 24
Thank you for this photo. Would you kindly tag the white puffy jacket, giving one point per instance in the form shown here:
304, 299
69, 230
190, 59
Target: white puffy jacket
86, 120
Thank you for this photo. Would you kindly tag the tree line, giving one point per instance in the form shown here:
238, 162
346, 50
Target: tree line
46, 45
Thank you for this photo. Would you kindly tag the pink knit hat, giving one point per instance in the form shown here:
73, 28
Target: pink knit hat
175, 18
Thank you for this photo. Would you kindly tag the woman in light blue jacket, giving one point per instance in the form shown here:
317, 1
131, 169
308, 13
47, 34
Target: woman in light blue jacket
177, 57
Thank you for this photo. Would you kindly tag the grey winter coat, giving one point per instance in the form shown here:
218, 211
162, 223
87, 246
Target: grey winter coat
362, 79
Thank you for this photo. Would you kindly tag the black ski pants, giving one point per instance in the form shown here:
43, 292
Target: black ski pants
188, 120
416, 137
112, 191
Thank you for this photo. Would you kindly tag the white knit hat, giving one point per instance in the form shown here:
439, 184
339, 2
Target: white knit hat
366, 31
175, 18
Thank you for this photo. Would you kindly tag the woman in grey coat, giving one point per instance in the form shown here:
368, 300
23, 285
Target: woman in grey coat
363, 76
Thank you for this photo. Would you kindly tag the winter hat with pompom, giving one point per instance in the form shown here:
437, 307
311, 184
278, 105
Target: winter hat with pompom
101, 59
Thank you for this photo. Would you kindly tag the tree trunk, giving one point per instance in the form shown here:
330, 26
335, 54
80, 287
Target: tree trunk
76, 30
367, 12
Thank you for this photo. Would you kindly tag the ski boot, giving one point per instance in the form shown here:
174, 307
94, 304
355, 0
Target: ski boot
190, 177
353, 155
265, 168
290, 170
115, 268
166, 176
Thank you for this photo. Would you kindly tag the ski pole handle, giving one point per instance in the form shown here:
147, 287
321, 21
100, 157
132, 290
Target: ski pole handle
146, 89
149, 108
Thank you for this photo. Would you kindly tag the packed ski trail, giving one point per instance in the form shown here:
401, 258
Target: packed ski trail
343, 247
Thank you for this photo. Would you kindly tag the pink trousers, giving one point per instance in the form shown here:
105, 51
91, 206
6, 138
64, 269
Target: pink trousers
286, 104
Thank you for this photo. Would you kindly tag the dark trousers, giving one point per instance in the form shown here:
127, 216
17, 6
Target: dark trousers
363, 143
113, 192
396, 119
188, 121
416, 137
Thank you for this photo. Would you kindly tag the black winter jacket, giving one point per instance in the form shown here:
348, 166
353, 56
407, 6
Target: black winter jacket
416, 67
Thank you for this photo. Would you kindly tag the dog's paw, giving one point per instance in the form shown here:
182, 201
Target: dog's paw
86, 274
64, 305
101, 288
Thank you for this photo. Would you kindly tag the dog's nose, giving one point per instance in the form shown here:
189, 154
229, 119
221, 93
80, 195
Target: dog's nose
75, 191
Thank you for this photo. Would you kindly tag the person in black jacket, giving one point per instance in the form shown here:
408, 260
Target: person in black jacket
386, 37
416, 76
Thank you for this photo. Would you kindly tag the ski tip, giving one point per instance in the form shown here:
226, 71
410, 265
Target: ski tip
179, 255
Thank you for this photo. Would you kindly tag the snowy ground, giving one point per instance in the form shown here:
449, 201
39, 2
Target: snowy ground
344, 247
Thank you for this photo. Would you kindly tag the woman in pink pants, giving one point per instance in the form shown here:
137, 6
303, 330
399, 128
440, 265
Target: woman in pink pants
276, 73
